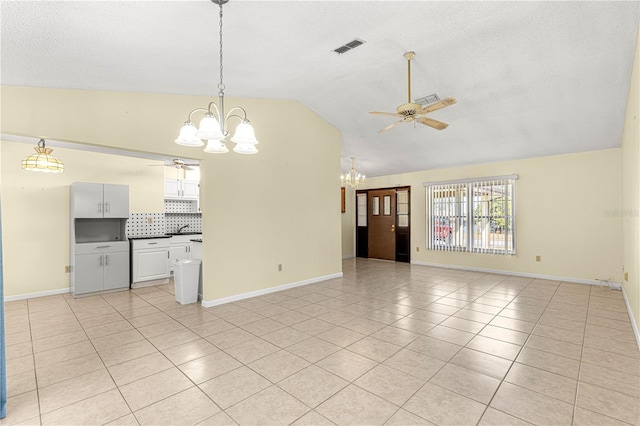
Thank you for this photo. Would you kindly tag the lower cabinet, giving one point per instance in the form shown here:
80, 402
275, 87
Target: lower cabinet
101, 266
150, 259
180, 248
179, 252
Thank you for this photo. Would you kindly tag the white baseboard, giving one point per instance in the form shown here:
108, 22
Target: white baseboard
38, 294
503, 272
348, 256
633, 320
235, 298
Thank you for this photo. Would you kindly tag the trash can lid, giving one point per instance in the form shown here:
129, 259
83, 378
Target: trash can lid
187, 261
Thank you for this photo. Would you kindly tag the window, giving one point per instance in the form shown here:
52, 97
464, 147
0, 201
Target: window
472, 215
362, 209
402, 208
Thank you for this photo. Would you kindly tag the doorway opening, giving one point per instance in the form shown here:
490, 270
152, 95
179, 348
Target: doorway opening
383, 223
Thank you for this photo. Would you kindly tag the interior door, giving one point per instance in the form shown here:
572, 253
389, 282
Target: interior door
382, 223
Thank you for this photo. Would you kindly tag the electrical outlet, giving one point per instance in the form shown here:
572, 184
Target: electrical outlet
626, 276
67, 269
538, 258
418, 248
150, 219
279, 267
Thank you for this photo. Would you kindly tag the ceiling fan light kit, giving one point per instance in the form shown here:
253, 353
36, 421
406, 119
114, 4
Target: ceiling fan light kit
410, 111
212, 125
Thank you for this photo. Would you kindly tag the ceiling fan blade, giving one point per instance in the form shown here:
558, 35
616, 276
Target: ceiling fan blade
438, 105
392, 114
439, 125
391, 126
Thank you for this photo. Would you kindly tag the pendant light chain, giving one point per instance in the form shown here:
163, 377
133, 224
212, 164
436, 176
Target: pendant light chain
221, 85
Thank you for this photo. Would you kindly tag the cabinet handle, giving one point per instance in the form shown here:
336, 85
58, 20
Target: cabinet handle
152, 243
107, 207
167, 255
101, 247
106, 260
99, 206
101, 260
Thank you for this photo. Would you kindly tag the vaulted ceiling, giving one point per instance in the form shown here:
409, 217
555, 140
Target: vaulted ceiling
531, 78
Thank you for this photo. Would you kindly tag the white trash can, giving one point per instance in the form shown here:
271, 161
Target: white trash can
186, 275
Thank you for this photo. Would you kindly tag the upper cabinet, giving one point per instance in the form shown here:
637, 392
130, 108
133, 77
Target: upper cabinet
97, 200
181, 189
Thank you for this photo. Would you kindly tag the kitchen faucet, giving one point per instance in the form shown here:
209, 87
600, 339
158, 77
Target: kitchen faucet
182, 227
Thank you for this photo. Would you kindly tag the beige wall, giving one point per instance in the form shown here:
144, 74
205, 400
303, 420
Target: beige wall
631, 191
562, 205
35, 210
280, 206
348, 224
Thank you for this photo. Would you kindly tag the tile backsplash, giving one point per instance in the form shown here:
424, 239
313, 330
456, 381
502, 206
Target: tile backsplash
150, 224
145, 224
177, 220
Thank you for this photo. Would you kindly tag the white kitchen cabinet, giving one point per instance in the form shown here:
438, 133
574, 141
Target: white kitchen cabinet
100, 266
181, 189
97, 200
172, 188
150, 259
190, 189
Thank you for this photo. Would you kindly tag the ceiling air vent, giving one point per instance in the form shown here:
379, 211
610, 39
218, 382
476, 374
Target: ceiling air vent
429, 99
349, 46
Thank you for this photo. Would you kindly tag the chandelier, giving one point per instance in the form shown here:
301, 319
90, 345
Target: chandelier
42, 160
212, 126
352, 178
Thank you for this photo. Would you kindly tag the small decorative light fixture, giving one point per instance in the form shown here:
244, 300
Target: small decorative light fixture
42, 160
352, 178
212, 125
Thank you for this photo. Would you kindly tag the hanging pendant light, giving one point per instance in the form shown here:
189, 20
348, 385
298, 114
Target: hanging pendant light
42, 160
352, 178
212, 125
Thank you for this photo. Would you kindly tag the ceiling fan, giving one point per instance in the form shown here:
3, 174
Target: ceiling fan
178, 164
411, 111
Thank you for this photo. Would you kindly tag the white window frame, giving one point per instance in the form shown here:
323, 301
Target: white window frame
441, 217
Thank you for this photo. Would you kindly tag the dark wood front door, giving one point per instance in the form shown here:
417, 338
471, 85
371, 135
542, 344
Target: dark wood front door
382, 223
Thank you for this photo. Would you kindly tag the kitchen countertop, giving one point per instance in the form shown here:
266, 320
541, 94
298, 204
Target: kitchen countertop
149, 237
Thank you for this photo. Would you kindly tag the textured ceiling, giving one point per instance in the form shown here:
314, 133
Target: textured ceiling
531, 78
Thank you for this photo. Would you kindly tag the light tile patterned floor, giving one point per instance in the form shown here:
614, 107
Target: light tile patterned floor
389, 343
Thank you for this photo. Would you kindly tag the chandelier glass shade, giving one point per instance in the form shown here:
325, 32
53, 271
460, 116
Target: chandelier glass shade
212, 126
42, 160
352, 178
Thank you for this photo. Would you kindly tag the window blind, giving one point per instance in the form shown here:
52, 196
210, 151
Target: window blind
475, 215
